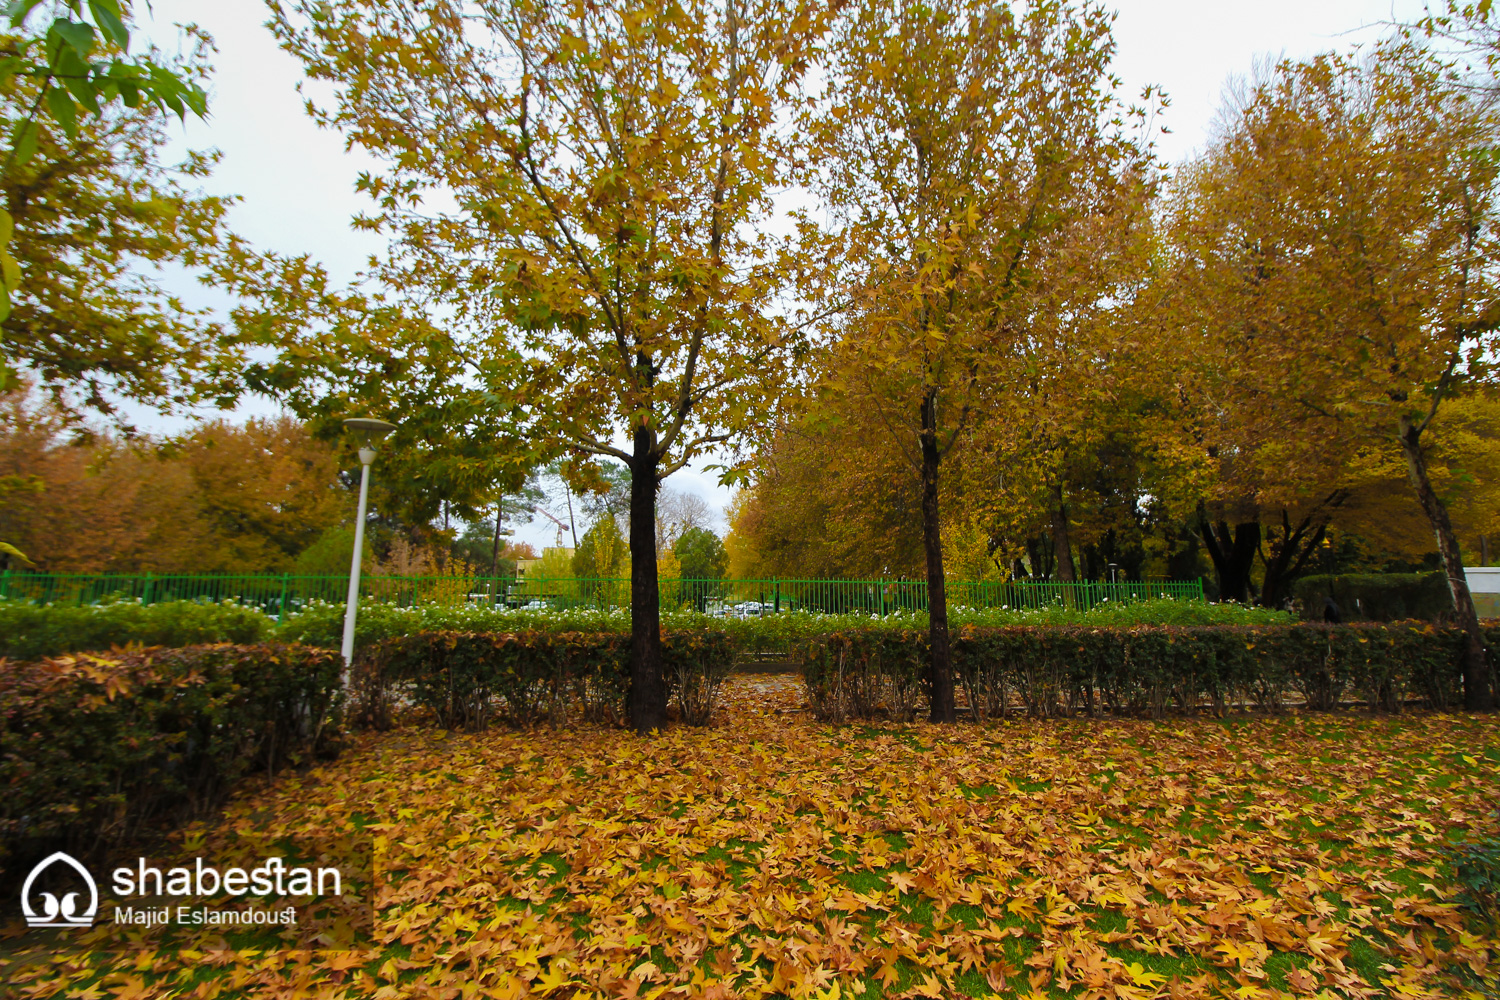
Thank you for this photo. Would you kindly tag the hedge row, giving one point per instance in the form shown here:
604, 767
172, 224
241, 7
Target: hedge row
469, 679
322, 623
95, 748
31, 631
1145, 670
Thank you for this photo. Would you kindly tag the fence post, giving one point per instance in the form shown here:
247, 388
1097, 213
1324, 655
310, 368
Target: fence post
776, 588
5, 585
146, 593
281, 611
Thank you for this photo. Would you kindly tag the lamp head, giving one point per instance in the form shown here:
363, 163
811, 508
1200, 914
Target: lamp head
368, 430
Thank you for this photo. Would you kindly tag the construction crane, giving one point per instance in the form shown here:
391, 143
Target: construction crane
556, 521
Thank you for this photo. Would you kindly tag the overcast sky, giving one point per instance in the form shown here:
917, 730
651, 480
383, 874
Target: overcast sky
298, 183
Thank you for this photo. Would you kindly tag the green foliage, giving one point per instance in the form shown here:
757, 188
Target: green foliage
95, 748
1477, 865
30, 631
468, 679
322, 623
330, 554
1138, 670
602, 551
1381, 597
701, 555
95, 218
56, 77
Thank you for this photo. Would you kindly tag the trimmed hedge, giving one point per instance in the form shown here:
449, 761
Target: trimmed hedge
1377, 597
1145, 670
469, 679
32, 631
322, 623
94, 748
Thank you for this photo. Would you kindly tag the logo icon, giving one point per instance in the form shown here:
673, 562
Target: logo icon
50, 911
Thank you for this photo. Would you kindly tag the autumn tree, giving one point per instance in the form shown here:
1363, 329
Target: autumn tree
583, 184
54, 75
221, 498
1344, 229
97, 213
968, 150
831, 497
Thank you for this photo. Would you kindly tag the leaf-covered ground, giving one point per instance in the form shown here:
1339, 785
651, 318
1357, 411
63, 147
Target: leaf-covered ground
775, 856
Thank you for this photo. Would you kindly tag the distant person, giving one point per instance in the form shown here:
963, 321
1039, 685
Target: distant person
1331, 611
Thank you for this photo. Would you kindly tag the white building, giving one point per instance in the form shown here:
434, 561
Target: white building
1484, 584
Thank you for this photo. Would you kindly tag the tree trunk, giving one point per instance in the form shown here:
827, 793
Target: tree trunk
1476, 670
940, 678
1062, 541
1283, 567
1233, 554
1296, 547
647, 701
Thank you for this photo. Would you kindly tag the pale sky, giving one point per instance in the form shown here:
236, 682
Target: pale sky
298, 183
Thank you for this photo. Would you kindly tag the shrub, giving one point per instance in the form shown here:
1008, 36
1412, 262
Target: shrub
322, 624
94, 748
469, 679
30, 631
865, 673
1379, 597
1141, 670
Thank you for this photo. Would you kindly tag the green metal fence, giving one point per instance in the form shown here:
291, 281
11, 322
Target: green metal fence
278, 595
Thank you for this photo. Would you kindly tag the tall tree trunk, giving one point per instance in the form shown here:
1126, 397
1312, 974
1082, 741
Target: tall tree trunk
1233, 554
647, 701
1476, 670
1062, 540
940, 679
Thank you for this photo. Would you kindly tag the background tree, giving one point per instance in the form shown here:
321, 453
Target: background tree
221, 498
609, 165
968, 148
603, 553
701, 555
676, 512
1344, 228
831, 497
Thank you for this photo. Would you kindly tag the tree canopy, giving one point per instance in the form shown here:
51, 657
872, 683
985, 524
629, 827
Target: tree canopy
607, 167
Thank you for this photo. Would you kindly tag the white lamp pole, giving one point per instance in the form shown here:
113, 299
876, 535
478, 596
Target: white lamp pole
372, 431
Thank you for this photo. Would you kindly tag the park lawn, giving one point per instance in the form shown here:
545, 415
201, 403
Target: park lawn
773, 855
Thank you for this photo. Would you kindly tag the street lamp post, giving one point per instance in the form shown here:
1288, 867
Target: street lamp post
370, 431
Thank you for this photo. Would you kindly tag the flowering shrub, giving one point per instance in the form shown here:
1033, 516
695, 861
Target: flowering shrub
322, 623
29, 631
